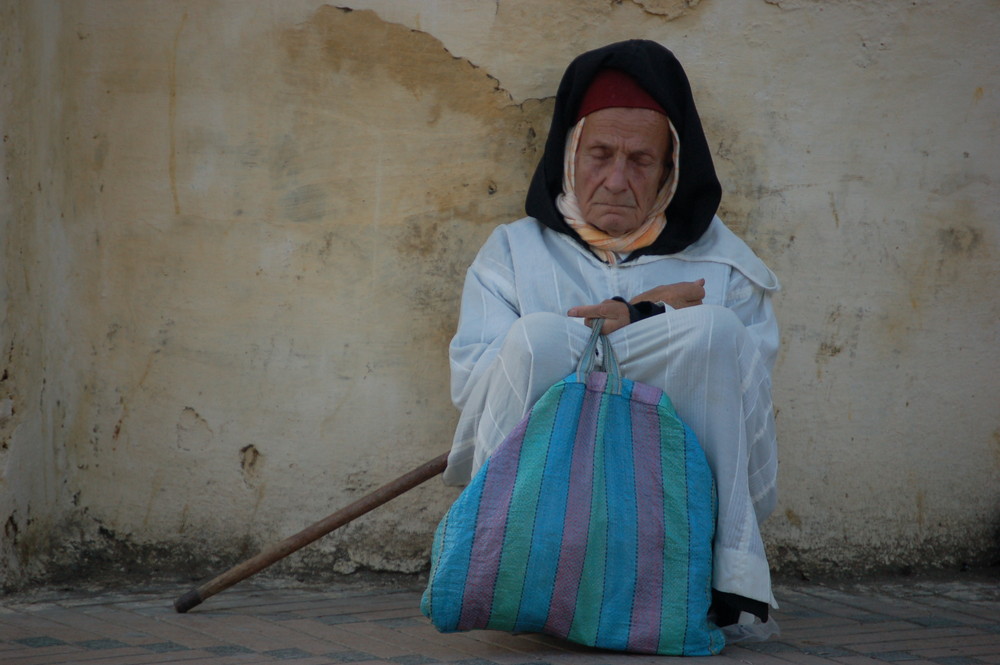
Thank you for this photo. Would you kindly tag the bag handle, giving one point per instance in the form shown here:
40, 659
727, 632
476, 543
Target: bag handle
589, 356
588, 360
611, 366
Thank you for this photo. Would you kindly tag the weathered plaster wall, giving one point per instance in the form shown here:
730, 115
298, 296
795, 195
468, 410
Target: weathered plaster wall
234, 236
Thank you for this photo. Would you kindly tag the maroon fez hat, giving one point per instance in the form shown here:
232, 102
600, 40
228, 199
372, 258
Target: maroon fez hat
614, 88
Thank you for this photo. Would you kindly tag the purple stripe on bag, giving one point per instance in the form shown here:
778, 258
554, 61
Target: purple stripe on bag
491, 524
644, 633
577, 524
647, 395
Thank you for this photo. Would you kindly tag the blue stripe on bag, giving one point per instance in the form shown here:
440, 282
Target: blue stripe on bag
457, 529
544, 559
621, 536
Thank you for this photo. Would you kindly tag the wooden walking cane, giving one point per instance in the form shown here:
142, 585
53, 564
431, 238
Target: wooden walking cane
280, 550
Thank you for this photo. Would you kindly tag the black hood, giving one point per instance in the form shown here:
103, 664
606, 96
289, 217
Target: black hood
658, 71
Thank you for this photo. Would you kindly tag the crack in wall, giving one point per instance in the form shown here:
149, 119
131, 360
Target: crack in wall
668, 9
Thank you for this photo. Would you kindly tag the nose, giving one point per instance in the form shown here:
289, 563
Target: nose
617, 180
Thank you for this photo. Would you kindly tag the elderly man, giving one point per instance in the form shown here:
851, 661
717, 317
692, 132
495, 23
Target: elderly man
622, 228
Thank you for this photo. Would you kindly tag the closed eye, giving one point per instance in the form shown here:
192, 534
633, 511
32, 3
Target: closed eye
599, 153
643, 159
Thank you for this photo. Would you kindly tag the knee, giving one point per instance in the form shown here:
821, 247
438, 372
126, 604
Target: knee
695, 334
539, 350
713, 316
537, 334
718, 323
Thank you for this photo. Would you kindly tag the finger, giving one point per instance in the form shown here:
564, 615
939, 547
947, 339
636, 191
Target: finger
609, 309
583, 311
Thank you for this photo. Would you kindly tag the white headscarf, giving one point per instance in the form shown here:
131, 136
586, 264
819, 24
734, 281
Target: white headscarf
612, 249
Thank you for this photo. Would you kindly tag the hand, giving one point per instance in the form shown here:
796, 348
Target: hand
678, 296
613, 312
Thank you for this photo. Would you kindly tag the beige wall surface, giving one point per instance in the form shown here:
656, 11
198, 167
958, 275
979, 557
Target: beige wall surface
233, 237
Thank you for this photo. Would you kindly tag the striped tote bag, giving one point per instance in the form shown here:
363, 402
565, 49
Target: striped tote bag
592, 522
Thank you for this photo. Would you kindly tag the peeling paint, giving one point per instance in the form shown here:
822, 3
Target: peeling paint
193, 432
250, 464
669, 9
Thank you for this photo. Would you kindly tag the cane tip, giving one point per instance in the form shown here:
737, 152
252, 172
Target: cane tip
191, 599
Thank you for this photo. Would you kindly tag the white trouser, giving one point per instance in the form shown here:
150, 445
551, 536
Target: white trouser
704, 360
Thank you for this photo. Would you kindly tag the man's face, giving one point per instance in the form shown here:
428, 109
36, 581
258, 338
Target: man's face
620, 166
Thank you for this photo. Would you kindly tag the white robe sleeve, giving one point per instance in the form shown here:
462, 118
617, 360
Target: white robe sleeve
752, 304
488, 311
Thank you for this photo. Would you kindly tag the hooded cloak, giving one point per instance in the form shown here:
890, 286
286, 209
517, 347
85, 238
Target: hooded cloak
514, 339
657, 70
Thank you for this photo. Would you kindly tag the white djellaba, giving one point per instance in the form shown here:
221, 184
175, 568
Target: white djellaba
713, 360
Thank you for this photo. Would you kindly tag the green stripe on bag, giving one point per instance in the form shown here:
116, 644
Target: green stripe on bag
521, 517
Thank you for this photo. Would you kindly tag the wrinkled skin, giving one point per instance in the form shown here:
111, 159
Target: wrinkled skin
620, 167
621, 163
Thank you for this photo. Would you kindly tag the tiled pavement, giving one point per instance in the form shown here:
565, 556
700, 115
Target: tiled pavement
952, 621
